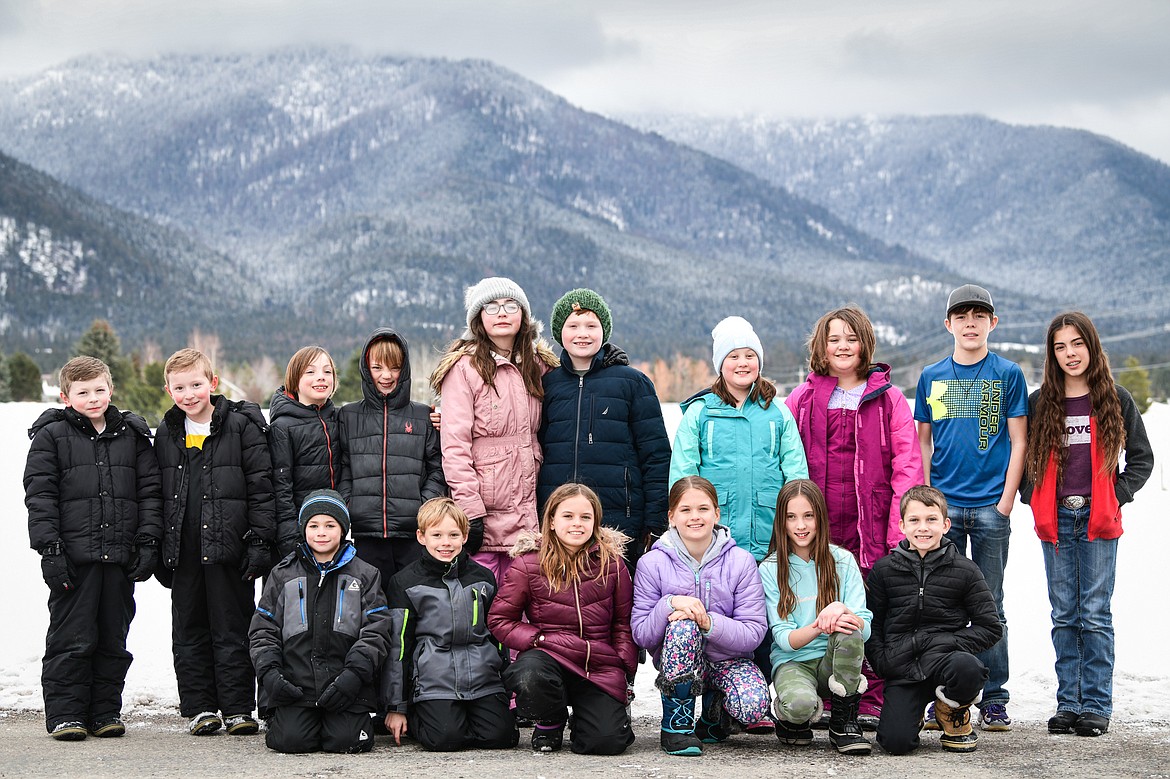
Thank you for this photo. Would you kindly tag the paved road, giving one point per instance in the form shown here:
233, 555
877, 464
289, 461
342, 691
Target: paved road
159, 746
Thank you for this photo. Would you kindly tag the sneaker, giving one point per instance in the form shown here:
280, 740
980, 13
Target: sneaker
681, 744
108, 728
930, 722
761, 727
241, 725
797, 734
548, 738
1089, 724
994, 717
204, 724
71, 730
1062, 722
868, 716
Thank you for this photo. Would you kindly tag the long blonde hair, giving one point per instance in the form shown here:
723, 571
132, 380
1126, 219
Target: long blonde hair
560, 565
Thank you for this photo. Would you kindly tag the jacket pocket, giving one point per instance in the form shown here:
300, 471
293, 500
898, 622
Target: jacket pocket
492, 471
295, 619
347, 615
765, 508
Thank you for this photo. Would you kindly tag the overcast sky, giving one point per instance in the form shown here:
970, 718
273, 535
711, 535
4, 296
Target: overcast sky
1102, 66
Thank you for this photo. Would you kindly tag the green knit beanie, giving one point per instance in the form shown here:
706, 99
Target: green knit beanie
583, 300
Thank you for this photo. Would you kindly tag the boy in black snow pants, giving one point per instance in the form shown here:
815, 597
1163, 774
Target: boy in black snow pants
319, 637
92, 491
219, 530
443, 676
932, 612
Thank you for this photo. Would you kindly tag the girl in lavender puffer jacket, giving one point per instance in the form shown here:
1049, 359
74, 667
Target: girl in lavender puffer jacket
699, 609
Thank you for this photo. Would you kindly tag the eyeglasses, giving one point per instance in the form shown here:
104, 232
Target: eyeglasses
493, 308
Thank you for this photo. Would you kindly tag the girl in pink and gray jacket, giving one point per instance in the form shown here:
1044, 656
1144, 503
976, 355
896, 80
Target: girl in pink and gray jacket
861, 445
490, 384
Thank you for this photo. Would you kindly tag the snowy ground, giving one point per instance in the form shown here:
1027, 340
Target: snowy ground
1141, 681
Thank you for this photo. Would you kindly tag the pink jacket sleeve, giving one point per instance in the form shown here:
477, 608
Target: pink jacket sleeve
458, 421
907, 465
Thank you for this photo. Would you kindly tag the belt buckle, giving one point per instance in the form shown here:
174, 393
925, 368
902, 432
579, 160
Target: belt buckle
1074, 502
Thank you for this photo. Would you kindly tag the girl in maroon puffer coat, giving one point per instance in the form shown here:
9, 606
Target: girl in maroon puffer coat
564, 606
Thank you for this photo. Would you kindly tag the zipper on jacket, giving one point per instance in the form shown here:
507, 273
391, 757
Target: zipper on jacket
385, 497
772, 435
474, 607
711, 439
577, 435
592, 414
301, 593
328, 450
626, 477
340, 601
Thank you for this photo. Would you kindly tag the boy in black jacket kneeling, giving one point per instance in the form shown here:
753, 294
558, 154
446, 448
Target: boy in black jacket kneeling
443, 676
319, 636
932, 611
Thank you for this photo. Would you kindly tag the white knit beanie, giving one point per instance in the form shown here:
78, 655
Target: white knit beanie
487, 290
733, 333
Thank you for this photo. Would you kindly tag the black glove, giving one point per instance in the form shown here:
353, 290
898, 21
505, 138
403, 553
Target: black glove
143, 562
281, 692
341, 692
57, 569
257, 561
286, 546
474, 536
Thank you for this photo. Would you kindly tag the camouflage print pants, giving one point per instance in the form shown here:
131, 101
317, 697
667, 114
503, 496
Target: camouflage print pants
801, 684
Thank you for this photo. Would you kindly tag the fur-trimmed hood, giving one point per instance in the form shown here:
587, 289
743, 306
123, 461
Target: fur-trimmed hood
611, 539
543, 352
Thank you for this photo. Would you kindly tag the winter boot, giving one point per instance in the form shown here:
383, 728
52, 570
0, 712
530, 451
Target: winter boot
678, 725
844, 730
714, 723
797, 734
955, 720
548, 737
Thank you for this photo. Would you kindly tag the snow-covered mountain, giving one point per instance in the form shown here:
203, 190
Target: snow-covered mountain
372, 189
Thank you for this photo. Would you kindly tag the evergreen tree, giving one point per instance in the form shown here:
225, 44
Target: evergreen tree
1136, 379
24, 378
147, 397
5, 395
349, 383
102, 342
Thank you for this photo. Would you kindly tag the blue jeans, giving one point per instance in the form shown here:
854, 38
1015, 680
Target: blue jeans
989, 532
1080, 588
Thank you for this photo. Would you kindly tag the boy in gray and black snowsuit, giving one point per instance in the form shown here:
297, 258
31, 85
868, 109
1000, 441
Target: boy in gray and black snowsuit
319, 636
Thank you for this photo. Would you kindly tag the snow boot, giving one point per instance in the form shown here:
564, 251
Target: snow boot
955, 720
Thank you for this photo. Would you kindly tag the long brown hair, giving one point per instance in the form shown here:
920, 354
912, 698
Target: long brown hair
523, 355
818, 341
763, 391
828, 583
1046, 432
560, 565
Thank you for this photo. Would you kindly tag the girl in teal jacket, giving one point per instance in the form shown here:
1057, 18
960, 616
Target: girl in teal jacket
736, 436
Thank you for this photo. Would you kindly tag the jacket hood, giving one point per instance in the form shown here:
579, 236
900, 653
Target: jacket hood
174, 417
877, 381
613, 540
285, 405
115, 420
401, 394
672, 543
607, 356
906, 552
543, 352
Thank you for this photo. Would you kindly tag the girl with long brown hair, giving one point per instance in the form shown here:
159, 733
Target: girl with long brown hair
1079, 423
564, 606
819, 622
490, 385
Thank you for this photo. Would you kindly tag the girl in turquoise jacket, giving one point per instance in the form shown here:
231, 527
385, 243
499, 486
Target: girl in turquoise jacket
739, 438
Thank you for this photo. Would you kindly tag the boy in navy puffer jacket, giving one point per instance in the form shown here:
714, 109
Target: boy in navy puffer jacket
319, 636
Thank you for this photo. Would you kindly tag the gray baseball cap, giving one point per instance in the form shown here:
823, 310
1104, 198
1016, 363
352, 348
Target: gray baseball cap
970, 295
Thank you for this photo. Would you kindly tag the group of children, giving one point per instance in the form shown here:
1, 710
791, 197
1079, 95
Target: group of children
512, 557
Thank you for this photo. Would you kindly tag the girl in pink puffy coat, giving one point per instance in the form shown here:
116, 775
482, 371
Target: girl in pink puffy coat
490, 385
861, 445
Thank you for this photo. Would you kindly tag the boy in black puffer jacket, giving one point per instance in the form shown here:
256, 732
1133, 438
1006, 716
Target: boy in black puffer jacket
391, 461
602, 424
443, 676
932, 612
219, 530
318, 638
93, 494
